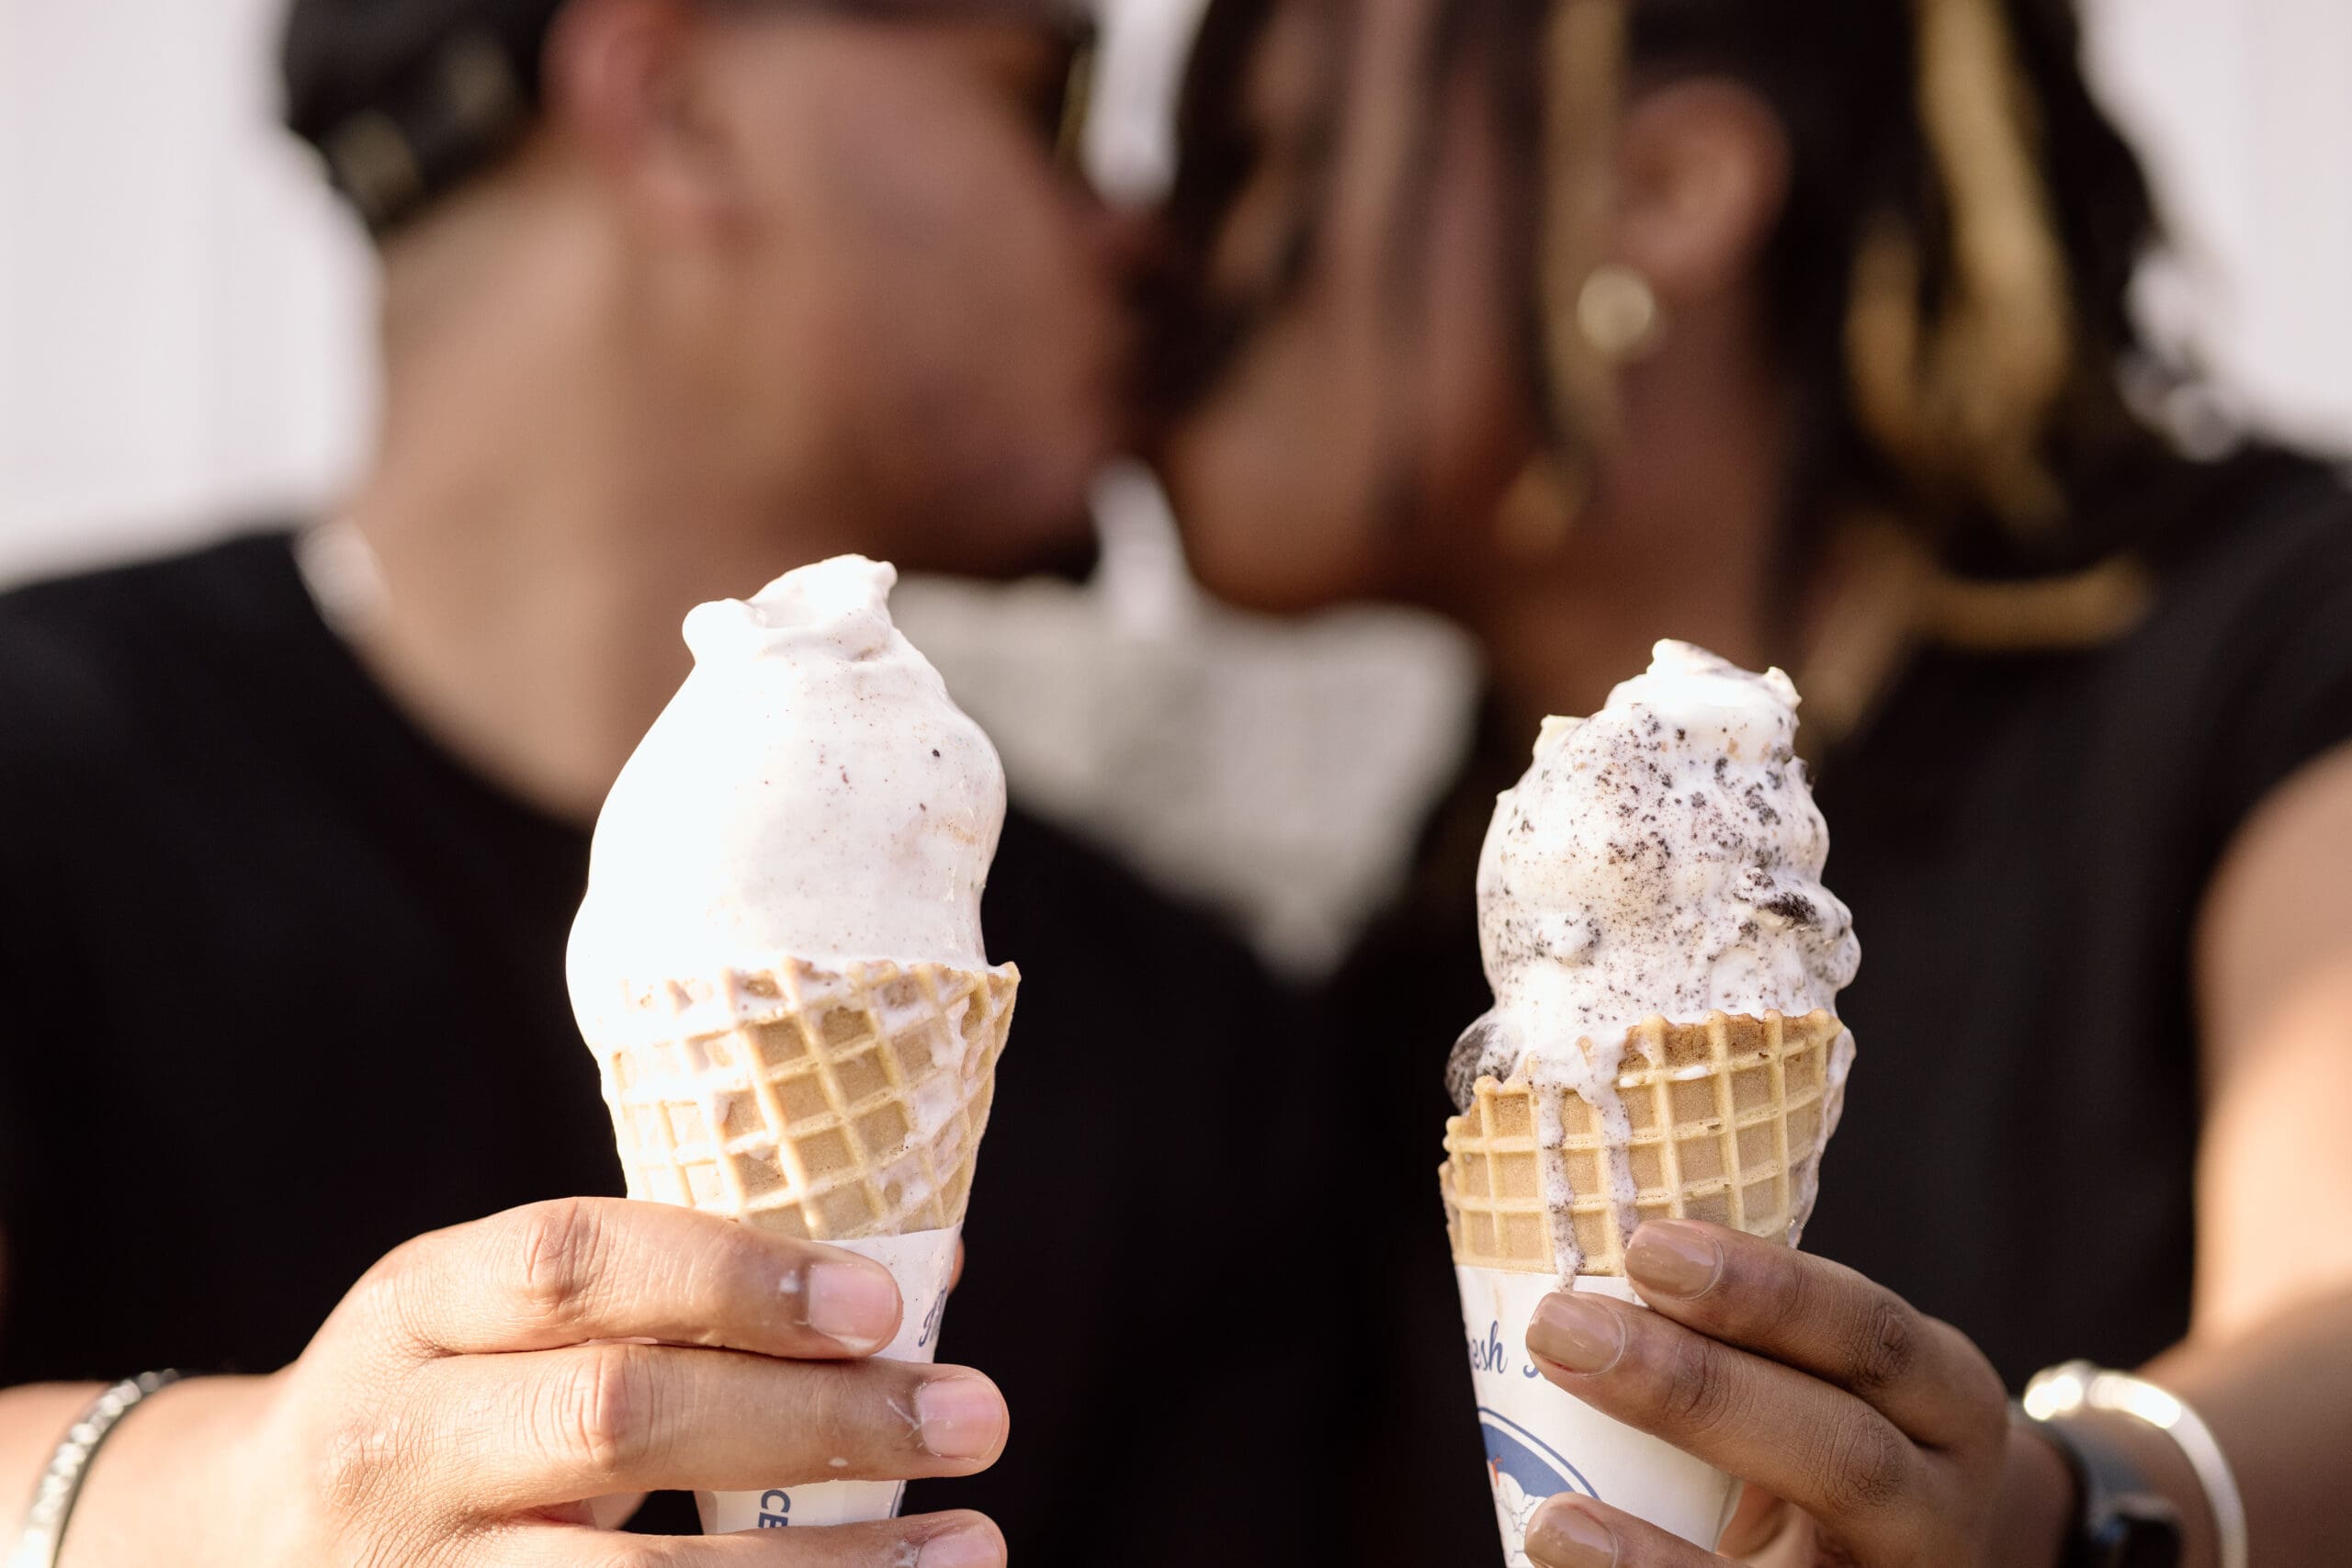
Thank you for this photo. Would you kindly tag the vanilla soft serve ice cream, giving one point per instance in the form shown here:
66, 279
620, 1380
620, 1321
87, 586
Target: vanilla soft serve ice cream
811, 791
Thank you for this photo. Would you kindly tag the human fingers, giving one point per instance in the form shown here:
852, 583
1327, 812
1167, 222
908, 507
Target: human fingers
1824, 1318
1579, 1532
1824, 1449
1758, 1521
590, 1421
929, 1541
588, 1268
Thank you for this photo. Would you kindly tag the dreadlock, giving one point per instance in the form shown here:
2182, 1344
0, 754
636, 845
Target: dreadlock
1949, 283
1950, 280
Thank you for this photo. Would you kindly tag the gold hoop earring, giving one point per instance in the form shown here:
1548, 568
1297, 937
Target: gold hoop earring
1540, 510
1619, 313
1620, 320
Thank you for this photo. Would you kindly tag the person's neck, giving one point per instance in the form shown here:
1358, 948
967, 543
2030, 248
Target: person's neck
540, 534
1680, 541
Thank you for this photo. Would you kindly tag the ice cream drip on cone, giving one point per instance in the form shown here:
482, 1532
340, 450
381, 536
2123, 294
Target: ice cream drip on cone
1724, 1119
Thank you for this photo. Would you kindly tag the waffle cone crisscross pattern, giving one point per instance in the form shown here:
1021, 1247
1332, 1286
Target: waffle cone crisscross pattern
850, 1102
1727, 1119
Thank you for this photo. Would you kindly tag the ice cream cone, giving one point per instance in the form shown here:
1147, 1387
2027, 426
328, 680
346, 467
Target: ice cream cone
778, 963
844, 1103
1727, 1120
1663, 957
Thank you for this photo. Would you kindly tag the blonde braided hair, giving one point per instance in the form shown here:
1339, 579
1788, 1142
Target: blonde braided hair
1960, 362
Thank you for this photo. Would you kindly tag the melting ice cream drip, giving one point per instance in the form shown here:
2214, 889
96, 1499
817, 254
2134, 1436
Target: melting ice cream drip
1662, 858
1833, 1108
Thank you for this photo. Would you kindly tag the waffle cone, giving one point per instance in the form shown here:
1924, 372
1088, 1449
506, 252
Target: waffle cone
1728, 1118
845, 1101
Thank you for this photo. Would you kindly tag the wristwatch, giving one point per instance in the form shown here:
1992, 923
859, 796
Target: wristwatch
2123, 1522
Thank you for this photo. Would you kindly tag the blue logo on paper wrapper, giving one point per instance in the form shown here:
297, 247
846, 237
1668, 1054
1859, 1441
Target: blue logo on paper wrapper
1526, 1473
931, 1322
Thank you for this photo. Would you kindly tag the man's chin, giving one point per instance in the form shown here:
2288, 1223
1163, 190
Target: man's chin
1071, 556
985, 531
1062, 542
1029, 518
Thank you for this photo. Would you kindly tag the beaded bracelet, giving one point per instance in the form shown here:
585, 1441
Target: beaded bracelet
60, 1483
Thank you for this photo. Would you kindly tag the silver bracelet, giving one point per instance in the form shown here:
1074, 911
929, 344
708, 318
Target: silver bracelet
2078, 1385
60, 1483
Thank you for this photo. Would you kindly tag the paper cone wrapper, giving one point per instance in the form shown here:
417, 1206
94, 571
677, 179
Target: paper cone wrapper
923, 1264
842, 1103
1723, 1119
1541, 1441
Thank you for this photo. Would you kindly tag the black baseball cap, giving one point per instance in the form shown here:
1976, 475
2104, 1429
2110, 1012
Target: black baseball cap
406, 99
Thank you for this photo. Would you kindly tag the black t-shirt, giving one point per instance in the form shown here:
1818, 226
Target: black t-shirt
284, 987
2025, 842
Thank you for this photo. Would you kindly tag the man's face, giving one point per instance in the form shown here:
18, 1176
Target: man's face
917, 285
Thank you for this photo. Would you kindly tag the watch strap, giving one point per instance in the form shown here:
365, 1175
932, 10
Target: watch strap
2121, 1520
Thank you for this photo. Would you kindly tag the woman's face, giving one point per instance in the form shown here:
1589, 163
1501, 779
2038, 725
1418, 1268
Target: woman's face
1371, 414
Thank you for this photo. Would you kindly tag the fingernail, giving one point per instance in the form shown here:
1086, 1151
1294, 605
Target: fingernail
1674, 1259
1562, 1536
856, 1303
962, 1418
964, 1548
1582, 1335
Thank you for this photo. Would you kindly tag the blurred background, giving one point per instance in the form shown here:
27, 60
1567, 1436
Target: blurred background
184, 331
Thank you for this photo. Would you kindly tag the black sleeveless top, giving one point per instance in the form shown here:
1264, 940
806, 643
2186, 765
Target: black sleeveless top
2025, 841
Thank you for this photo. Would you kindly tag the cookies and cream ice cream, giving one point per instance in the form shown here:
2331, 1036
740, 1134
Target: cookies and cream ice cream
811, 791
1663, 857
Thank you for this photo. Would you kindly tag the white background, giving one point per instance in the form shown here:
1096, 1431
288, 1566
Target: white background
184, 317
183, 314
